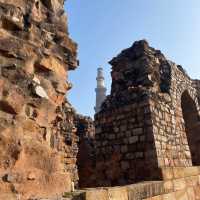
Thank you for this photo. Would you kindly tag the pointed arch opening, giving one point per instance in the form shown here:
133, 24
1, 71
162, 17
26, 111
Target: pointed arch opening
192, 126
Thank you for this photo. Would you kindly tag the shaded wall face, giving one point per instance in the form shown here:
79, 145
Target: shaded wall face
192, 126
85, 157
124, 146
196, 84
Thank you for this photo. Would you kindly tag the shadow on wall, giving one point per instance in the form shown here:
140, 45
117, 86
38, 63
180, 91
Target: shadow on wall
192, 126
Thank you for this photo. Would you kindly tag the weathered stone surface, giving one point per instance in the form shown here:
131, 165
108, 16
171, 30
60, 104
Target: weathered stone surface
53, 65
38, 140
41, 92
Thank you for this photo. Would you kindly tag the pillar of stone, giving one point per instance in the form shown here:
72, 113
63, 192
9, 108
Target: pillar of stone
100, 90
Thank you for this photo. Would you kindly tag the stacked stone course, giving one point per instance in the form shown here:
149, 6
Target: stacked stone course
124, 144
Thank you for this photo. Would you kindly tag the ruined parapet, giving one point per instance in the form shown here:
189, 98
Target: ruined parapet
144, 124
38, 141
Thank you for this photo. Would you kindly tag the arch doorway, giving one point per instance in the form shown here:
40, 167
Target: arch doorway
192, 126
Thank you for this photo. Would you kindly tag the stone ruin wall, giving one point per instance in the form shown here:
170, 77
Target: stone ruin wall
176, 146
38, 131
124, 151
144, 125
147, 131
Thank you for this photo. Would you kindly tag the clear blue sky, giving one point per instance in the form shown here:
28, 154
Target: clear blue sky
103, 28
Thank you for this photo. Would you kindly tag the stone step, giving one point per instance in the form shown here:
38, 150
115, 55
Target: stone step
76, 195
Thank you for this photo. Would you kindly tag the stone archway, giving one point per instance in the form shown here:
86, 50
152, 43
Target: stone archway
192, 126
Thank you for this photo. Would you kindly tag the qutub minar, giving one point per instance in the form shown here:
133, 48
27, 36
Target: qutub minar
100, 90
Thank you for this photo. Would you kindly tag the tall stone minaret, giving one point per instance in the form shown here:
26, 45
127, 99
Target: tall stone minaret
100, 90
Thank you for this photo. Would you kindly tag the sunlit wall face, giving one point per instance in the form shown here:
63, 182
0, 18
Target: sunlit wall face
103, 28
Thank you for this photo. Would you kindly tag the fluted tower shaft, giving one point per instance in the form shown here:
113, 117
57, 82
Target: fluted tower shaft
100, 90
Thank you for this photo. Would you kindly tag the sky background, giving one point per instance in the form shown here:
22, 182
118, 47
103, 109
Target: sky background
103, 28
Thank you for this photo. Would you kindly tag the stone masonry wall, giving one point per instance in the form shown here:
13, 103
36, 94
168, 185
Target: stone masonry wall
149, 121
124, 141
38, 140
170, 132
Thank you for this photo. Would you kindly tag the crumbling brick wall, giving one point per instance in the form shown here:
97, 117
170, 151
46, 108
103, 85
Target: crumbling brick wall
142, 125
